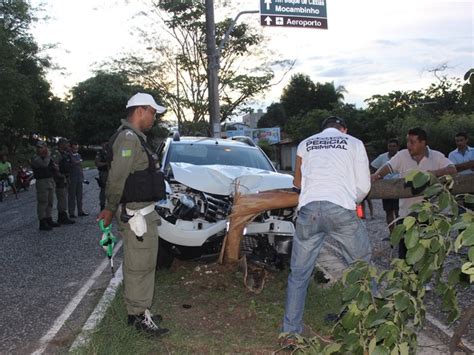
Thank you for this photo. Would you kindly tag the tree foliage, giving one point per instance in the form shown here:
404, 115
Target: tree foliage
178, 69
97, 105
26, 101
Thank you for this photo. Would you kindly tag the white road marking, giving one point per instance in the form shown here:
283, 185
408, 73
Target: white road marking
59, 322
99, 311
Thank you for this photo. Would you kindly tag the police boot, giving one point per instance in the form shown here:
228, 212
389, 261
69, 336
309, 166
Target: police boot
52, 223
44, 226
145, 322
64, 219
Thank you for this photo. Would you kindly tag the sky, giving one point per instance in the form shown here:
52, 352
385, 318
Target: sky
371, 46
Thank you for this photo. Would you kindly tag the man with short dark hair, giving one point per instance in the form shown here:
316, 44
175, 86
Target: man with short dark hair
332, 171
417, 156
390, 206
463, 156
131, 192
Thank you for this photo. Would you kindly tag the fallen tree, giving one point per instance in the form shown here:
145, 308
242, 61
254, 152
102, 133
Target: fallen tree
247, 207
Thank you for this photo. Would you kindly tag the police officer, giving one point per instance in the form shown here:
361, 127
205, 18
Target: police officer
43, 169
133, 184
102, 165
62, 158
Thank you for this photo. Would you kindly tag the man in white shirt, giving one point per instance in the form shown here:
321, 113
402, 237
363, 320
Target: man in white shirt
390, 206
332, 170
417, 156
463, 157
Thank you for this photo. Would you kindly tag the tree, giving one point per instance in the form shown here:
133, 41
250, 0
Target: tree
178, 69
23, 89
274, 117
97, 105
299, 96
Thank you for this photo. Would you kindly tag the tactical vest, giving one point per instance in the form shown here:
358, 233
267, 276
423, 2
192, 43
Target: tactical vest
43, 172
142, 186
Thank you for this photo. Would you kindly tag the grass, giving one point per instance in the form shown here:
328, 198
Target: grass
88, 164
223, 318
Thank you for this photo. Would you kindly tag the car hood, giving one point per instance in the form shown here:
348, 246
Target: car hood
225, 179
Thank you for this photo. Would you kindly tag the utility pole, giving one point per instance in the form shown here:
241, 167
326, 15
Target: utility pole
213, 55
212, 71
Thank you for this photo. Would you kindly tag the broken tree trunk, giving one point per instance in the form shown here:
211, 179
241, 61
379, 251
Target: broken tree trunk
244, 210
395, 188
247, 207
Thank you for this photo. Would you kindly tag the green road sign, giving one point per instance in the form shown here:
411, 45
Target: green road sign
294, 13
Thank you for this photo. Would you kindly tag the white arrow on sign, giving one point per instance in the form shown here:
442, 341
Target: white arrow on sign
268, 3
268, 20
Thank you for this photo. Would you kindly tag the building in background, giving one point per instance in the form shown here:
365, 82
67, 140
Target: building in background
251, 119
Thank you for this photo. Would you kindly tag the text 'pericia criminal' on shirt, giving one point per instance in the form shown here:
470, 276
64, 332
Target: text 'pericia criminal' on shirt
326, 143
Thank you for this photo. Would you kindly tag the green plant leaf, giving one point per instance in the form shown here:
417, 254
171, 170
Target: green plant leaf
444, 198
471, 254
468, 268
411, 175
469, 198
350, 292
403, 348
411, 238
402, 301
458, 242
433, 190
415, 254
420, 179
396, 234
363, 300
423, 216
381, 350
454, 276
468, 238
434, 245
409, 222
332, 348
350, 320
372, 345
353, 276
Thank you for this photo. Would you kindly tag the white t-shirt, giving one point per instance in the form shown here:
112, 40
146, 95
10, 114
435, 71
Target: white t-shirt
380, 161
334, 168
458, 158
404, 163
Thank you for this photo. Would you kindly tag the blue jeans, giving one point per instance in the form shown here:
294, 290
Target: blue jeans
316, 221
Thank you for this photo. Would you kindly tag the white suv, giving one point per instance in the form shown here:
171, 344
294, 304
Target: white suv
202, 176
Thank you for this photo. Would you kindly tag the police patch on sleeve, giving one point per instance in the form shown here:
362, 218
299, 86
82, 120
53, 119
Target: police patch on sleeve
126, 153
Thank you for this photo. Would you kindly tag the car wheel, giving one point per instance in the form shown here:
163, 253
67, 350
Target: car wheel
165, 256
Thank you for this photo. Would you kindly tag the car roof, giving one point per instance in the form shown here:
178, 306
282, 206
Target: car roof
210, 141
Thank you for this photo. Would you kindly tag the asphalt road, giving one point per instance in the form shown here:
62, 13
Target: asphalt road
40, 272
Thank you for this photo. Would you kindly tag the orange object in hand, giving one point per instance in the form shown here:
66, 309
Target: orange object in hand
360, 212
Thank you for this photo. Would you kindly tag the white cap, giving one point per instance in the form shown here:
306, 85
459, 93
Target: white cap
141, 99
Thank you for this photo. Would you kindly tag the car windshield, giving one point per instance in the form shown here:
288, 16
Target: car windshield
200, 154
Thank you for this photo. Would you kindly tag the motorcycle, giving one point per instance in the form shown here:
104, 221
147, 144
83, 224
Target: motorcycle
23, 178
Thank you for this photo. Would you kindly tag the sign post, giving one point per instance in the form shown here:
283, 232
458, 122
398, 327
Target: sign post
294, 13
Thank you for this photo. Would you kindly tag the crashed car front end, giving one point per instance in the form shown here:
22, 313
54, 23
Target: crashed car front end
199, 202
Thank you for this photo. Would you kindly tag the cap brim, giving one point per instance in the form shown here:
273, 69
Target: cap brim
159, 109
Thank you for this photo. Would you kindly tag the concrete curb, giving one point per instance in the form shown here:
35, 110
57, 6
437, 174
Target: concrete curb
99, 311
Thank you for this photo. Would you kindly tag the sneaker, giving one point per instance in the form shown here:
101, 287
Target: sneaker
145, 322
288, 341
82, 214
